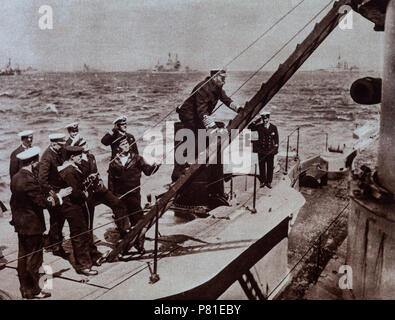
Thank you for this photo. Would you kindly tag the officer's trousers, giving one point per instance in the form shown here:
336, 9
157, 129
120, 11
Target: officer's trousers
30, 259
266, 163
81, 238
132, 202
118, 208
56, 223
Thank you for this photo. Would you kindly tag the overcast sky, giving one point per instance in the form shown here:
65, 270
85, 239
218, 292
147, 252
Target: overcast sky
123, 35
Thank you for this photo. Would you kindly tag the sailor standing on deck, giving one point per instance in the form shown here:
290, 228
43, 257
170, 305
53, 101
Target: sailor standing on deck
118, 131
27, 203
99, 194
73, 210
27, 141
51, 182
266, 147
125, 174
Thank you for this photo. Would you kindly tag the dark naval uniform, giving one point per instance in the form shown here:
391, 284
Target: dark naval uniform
110, 137
201, 103
191, 114
15, 163
99, 194
50, 181
127, 177
267, 147
27, 203
73, 210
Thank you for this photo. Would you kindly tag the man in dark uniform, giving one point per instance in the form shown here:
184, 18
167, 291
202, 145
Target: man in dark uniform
27, 141
266, 147
118, 131
27, 203
195, 112
99, 194
74, 138
73, 210
51, 182
125, 173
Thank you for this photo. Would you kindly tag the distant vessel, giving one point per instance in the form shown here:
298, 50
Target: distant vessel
343, 66
171, 66
9, 71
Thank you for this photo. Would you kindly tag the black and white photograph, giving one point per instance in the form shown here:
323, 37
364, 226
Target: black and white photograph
197, 150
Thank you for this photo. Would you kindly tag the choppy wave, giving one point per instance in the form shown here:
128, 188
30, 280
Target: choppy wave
315, 101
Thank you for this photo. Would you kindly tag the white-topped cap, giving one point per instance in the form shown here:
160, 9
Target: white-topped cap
57, 136
121, 118
29, 153
25, 133
73, 125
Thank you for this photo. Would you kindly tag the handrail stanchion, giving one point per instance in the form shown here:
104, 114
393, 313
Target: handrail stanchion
286, 158
326, 142
254, 199
154, 276
231, 187
297, 145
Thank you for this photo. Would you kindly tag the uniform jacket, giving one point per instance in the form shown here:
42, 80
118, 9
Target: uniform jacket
109, 138
15, 163
267, 138
48, 175
123, 178
88, 165
73, 178
201, 103
27, 203
88, 168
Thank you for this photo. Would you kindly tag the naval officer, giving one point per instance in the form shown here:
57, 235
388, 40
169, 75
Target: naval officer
125, 174
266, 147
74, 138
73, 210
51, 182
119, 130
99, 194
27, 203
26, 143
195, 112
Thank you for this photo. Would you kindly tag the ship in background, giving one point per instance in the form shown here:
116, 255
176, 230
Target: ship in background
343, 66
173, 65
9, 71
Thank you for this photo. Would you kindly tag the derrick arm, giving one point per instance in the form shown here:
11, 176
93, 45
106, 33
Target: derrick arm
252, 108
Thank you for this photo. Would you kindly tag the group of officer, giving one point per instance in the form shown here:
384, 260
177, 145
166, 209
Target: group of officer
66, 182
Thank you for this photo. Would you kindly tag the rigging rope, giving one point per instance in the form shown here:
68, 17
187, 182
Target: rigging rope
276, 53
